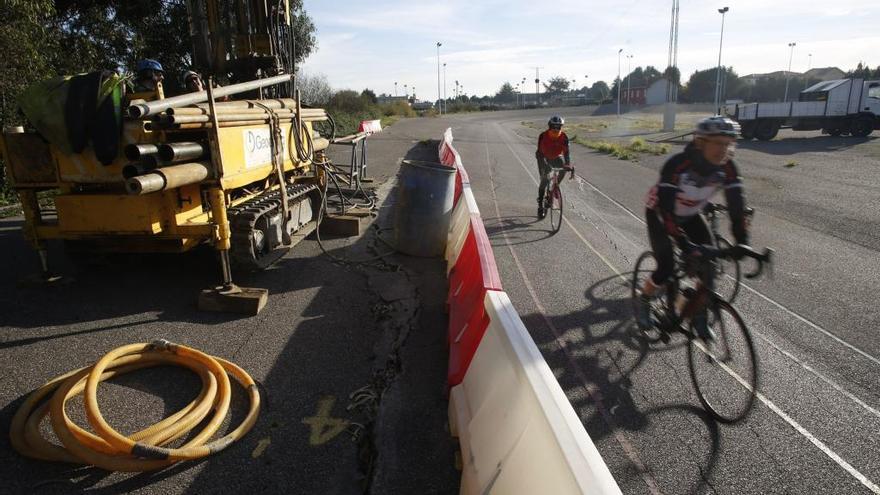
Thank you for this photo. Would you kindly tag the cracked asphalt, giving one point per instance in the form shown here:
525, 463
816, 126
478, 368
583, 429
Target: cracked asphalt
350, 360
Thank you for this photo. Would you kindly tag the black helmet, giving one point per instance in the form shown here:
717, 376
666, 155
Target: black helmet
555, 120
717, 126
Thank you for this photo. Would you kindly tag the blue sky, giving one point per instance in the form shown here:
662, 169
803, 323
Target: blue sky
487, 42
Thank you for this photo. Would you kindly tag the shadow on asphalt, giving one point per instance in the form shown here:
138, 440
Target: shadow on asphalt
331, 340
609, 370
515, 230
795, 145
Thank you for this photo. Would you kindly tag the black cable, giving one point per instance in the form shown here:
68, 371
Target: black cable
321, 209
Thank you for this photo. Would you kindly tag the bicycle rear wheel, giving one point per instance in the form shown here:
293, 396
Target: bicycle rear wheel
725, 370
645, 265
555, 208
727, 274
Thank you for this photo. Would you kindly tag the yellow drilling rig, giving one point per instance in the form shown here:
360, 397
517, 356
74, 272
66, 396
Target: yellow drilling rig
238, 167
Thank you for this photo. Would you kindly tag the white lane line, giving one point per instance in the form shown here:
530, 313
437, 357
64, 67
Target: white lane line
592, 389
870, 485
773, 407
748, 287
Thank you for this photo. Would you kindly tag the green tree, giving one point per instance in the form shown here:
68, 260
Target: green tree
505, 94
557, 86
369, 96
599, 91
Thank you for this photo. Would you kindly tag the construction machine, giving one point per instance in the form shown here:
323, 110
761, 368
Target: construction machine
238, 167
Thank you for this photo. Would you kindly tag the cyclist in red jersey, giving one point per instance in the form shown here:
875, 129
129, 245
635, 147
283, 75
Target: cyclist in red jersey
552, 152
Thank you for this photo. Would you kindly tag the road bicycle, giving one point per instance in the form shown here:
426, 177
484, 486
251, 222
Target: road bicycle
722, 359
726, 267
553, 198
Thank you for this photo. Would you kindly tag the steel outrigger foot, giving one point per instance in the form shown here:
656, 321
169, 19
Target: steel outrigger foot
233, 299
230, 298
45, 278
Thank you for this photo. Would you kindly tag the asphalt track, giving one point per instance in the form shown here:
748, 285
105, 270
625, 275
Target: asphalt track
816, 425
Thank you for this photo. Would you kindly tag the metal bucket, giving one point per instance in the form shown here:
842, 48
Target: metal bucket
424, 208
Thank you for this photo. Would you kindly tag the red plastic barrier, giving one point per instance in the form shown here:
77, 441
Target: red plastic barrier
473, 275
370, 126
450, 157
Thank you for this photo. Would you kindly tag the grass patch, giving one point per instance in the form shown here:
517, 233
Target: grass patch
791, 164
389, 120
631, 151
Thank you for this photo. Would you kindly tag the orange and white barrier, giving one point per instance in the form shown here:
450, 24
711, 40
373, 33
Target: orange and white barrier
517, 430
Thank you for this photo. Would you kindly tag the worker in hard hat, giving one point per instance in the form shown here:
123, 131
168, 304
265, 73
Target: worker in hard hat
149, 75
192, 82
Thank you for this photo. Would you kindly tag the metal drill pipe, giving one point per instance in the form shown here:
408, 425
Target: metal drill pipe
177, 152
170, 177
150, 108
139, 168
226, 117
136, 152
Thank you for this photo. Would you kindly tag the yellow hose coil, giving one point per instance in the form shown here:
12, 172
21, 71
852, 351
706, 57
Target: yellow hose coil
144, 450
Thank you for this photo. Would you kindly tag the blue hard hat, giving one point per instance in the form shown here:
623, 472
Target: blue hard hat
149, 64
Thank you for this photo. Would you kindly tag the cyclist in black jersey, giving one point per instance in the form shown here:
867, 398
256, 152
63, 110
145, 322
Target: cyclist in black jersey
687, 182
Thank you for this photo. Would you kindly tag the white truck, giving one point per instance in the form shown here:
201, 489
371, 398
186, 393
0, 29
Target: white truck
839, 107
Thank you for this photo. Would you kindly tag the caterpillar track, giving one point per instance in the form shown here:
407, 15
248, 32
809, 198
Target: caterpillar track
257, 237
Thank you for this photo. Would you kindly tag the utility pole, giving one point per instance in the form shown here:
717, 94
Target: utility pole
672, 69
619, 81
439, 94
718, 68
788, 74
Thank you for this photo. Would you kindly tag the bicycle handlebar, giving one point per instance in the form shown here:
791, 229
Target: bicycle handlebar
717, 208
762, 258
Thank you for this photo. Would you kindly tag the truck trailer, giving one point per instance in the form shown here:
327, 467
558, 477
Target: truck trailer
840, 107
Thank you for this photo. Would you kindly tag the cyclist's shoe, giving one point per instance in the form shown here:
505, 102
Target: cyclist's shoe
643, 317
541, 212
701, 325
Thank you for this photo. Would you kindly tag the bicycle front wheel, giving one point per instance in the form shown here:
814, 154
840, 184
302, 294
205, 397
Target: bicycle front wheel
555, 209
727, 274
724, 369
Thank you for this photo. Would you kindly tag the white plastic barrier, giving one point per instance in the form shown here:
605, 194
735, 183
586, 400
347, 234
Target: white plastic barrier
518, 431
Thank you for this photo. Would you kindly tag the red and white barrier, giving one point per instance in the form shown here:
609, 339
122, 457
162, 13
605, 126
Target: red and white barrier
473, 275
518, 432
370, 126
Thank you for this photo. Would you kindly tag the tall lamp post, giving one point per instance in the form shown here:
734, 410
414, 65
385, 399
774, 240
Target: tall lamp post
395, 88
628, 76
718, 68
439, 94
444, 88
406, 91
809, 66
619, 82
788, 74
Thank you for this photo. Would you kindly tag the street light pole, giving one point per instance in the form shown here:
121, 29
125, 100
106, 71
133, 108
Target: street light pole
406, 91
809, 67
619, 82
439, 94
445, 109
395, 89
788, 74
628, 76
718, 68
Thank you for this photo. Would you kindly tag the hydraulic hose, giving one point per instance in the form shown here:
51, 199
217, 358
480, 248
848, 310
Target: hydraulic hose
147, 449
